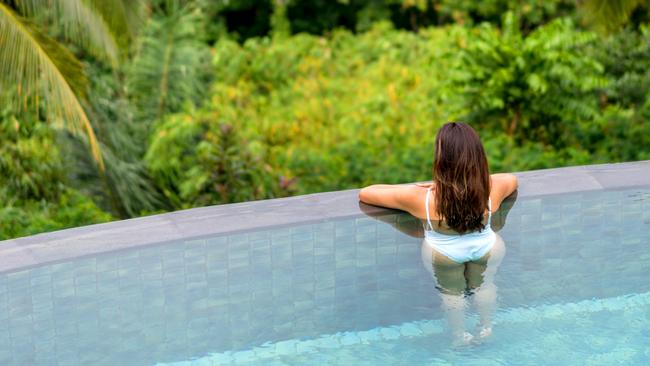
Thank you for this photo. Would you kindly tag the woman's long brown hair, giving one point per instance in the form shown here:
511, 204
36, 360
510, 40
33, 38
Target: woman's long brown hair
461, 176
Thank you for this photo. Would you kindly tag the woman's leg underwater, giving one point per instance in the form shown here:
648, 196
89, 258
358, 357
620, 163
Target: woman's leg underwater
480, 278
450, 281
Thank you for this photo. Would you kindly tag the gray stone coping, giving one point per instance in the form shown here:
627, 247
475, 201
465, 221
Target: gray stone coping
61, 245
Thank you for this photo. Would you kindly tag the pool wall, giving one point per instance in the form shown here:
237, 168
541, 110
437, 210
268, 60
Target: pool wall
308, 265
281, 285
227, 292
254, 215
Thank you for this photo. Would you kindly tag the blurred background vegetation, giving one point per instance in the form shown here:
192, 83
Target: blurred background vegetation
111, 109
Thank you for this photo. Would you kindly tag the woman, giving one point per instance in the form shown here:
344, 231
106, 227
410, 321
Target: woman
460, 248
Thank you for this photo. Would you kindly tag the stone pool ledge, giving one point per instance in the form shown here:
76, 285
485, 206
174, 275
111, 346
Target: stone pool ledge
60, 245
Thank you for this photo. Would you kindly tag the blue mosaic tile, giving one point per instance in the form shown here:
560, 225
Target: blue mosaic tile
307, 280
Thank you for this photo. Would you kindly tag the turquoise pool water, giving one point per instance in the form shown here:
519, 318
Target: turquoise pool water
571, 288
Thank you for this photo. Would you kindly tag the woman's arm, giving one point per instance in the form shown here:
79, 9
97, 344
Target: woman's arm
410, 198
503, 185
388, 195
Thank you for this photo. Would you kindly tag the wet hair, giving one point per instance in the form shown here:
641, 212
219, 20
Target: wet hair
461, 176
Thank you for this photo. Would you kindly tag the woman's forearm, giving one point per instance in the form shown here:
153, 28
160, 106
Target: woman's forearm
386, 195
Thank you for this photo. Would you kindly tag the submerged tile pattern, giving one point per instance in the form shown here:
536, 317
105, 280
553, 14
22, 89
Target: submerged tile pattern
415, 329
174, 301
184, 300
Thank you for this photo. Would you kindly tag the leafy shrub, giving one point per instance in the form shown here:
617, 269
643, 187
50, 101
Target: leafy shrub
28, 217
625, 58
30, 165
201, 159
538, 87
33, 187
337, 112
124, 188
530, 13
299, 114
329, 113
621, 134
245, 19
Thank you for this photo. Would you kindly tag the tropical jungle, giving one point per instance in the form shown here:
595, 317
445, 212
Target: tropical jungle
112, 109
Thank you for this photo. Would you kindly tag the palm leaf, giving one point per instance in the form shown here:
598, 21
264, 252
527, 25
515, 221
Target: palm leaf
608, 15
125, 189
36, 65
81, 23
170, 65
124, 17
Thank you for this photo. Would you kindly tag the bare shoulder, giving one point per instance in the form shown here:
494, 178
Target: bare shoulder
416, 198
503, 185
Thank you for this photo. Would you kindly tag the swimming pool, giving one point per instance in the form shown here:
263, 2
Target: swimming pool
572, 289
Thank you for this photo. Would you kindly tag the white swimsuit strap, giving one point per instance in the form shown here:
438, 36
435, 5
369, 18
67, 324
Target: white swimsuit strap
426, 205
489, 211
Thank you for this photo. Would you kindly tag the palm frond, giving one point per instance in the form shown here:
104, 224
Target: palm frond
81, 23
125, 17
36, 65
608, 15
124, 189
168, 69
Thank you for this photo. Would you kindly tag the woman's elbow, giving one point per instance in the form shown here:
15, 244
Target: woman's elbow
507, 181
514, 183
364, 194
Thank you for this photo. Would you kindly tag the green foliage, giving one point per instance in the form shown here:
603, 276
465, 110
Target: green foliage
506, 155
530, 14
280, 25
609, 15
29, 161
620, 134
200, 159
625, 58
347, 110
40, 68
32, 181
80, 22
537, 87
246, 19
265, 113
169, 67
336, 112
124, 188
71, 209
